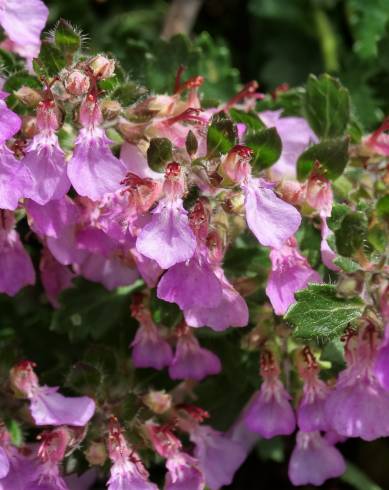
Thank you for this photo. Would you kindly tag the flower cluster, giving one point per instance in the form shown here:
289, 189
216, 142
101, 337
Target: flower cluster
153, 197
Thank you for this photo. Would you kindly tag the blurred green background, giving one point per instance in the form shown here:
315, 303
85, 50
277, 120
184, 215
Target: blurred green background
272, 41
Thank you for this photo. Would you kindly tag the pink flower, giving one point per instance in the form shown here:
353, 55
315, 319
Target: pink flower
219, 457
183, 473
191, 361
127, 470
81, 482
168, 238
55, 277
381, 365
270, 413
19, 467
290, 273
358, 406
47, 406
4, 464
45, 160
24, 30
314, 460
379, 140
318, 193
10, 122
149, 349
93, 170
327, 254
136, 162
295, 134
16, 267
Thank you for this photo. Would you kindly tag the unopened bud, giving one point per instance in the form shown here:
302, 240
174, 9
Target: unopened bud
28, 96
102, 66
292, 192
110, 109
77, 83
234, 203
158, 401
29, 126
349, 286
96, 454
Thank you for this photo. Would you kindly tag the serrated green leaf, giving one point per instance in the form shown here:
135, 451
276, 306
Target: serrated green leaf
332, 154
346, 264
267, 147
383, 207
352, 232
159, 153
66, 38
326, 106
51, 60
222, 135
250, 119
319, 314
378, 238
339, 211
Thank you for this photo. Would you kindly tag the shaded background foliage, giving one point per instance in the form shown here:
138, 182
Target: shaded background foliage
233, 41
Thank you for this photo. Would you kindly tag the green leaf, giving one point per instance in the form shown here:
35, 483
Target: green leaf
339, 211
318, 313
15, 431
128, 92
378, 238
66, 38
351, 233
346, 264
83, 378
383, 207
159, 153
267, 147
51, 60
358, 479
327, 106
250, 119
332, 154
222, 135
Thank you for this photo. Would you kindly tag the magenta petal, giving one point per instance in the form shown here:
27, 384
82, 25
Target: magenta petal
95, 241
218, 456
270, 414
150, 350
311, 415
148, 268
22, 472
51, 408
13, 179
16, 266
82, 482
93, 170
23, 21
47, 170
191, 284
183, 473
167, 238
314, 460
64, 248
232, 311
52, 218
271, 219
381, 366
10, 122
4, 464
136, 162
55, 278
111, 272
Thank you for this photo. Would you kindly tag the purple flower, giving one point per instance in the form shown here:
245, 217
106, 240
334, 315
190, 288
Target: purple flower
93, 169
381, 365
55, 277
231, 311
219, 457
270, 413
82, 482
327, 254
295, 134
47, 406
149, 349
191, 284
191, 361
314, 460
45, 160
136, 162
183, 473
22, 470
127, 470
271, 219
16, 267
24, 30
358, 406
168, 238
290, 272
52, 218
10, 122
4, 464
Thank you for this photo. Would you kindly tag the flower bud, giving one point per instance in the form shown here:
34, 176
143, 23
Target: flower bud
102, 67
23, 379
158, 401
110, 109
77, 83
28, 96
349, 286
96, 454
291, 192
29, 128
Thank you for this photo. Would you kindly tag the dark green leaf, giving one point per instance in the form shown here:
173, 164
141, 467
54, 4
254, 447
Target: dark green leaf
339, 211
128, 92
51, 60
332, 154
66, 38
159, 153
83, 378
383, 207
351, 234
222, 135
378, 238
250, 119
346, 264
319, 313
267, 147
327, 106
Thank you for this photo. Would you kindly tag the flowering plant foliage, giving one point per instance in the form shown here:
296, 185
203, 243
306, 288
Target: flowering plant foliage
218, 269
